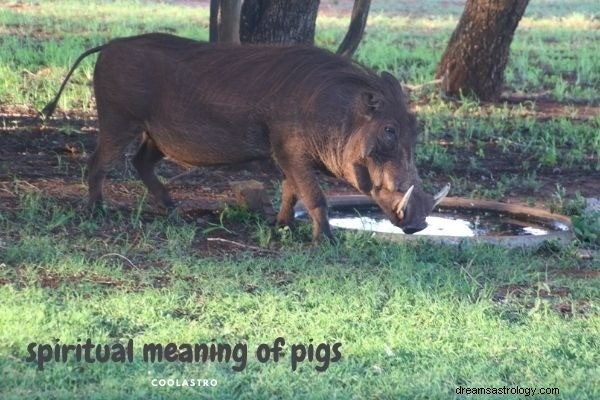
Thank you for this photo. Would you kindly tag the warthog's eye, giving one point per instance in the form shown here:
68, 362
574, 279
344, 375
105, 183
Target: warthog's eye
387, 145
389, 136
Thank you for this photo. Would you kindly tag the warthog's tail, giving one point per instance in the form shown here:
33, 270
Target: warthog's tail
49, 109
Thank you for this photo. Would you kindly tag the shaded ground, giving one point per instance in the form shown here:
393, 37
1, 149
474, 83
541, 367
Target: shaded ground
50, 157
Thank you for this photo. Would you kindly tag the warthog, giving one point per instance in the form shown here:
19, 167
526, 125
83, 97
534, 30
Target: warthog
209, 104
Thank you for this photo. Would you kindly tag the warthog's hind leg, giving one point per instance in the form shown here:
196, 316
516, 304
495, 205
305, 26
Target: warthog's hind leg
285, 217
114, 136
144, 161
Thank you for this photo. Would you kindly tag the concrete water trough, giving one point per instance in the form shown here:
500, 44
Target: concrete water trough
455, 220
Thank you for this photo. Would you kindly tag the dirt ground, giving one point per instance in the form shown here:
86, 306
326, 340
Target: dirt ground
50, 157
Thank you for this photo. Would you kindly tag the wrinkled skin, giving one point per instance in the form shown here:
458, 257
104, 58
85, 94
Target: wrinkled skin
212, 104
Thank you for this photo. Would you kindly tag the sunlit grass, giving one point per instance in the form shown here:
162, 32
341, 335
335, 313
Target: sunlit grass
414, 320
50, 35
576, 22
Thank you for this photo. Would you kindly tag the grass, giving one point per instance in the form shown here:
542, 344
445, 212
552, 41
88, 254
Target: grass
415, 320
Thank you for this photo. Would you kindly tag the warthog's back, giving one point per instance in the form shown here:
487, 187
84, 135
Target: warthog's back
229, 75
197, 99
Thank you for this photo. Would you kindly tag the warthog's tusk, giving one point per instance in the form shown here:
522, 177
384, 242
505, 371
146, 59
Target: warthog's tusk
404, 202
441, 194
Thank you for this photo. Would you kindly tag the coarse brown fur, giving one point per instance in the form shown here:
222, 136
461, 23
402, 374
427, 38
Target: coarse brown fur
206, 104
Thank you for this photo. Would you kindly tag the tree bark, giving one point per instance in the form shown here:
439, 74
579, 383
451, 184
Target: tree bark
213, 25
279, 21
225, 21
477, 53
358, 22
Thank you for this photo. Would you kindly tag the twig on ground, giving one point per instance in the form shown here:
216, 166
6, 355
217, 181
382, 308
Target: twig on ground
417, 87
7, 191
183, 174
121, 257
465, 270
25, 183
240, 244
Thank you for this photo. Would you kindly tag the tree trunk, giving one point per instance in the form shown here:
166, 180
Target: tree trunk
360, 12
279, 21
477, 53
229, 23
213, 26
225, 21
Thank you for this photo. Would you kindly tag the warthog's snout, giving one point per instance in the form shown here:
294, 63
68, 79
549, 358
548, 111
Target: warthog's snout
412, 209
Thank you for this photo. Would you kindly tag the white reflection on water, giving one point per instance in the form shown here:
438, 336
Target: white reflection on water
530, 230
436, 226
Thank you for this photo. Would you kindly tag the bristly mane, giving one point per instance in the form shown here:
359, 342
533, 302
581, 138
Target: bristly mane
304, 72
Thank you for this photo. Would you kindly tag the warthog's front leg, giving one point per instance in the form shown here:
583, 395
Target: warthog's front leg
285, 217
304, 180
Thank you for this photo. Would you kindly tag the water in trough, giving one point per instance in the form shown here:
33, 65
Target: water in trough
443, 222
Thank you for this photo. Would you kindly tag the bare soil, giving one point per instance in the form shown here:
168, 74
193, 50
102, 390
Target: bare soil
51, 156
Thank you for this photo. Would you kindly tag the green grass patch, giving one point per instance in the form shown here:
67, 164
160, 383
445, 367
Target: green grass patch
415, 320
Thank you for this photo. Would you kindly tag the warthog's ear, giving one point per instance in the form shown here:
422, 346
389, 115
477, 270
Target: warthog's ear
370, 103
393, 83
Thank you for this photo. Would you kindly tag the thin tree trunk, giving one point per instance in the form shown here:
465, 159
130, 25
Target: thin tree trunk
213, 26
358, 22
229, 24
225, 21
477, 53
279, 22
